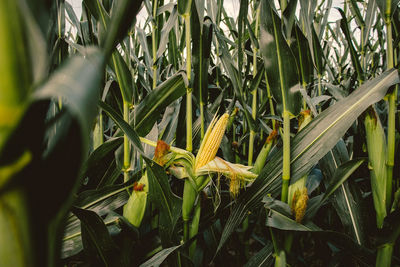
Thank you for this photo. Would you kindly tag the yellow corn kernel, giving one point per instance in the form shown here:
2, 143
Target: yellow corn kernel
212, 141
299, 204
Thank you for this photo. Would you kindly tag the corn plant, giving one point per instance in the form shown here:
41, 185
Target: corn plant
199, 133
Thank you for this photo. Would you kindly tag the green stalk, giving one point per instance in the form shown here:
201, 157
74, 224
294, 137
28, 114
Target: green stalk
271, 103
286, 155
384, 256
280, 259
189, 198
392, 109
201, 92
127, 161
188, 89
254, 92
194, 227
319, 90
283, 5
154, 42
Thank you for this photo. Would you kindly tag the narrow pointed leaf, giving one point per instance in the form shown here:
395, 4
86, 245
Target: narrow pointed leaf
310, 145
159, 258
184, 7
347, 197
303, 57
78, 83
278, 60
279, 216
95, 237
341, 174
150, 108
123, 76
262, 258
354, 55
123, 125
168, 204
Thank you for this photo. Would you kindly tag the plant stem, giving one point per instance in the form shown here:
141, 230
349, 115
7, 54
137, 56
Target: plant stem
201, 102
188, 89
283, 5
271, 104
254, 92
280, 259
154, 42
319, 90
384, 256
194, 227
286, 155
392, 110
127, 161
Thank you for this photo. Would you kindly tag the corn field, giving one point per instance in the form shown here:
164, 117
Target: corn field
188, 136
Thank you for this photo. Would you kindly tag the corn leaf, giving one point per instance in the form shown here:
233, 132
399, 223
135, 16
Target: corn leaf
310, 145
159, 258
97, 242
184, 7
264, 257
354, 55
278, 59
149, 109
124, 126
168, 204
347, 197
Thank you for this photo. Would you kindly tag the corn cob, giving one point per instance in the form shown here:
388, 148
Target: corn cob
211, 141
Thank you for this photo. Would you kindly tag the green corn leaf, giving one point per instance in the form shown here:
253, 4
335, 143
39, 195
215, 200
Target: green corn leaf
149, 109
233, 73
98, 11
168, 204
326, 15
280, 218
382, 7
356, 13
185, 7
307, 12
241, 21
288, 17
160, 257
317, 52
347, 197
96, 239
123, 125
310, 145
341, 174
369, 19
123, 75
123, 17
98, 163
201, 52
166, 31
354, 55
264, 257
15, 69
303, 57
278, 59
77, 82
